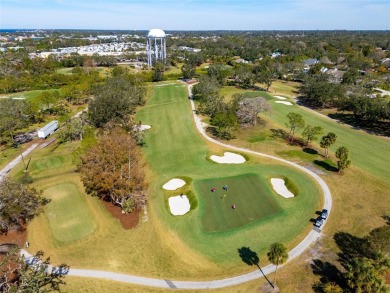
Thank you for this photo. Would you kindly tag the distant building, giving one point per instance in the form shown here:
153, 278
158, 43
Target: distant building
335, 76
189, 49
310, 62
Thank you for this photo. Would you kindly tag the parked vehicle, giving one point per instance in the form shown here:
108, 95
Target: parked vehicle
319, 222
324, 214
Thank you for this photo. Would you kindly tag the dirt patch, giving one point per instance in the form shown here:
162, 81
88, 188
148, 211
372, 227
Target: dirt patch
128, 221
267, 288
191, 81
15, 237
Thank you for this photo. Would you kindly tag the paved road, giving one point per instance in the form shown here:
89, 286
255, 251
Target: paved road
171, 284
14, 162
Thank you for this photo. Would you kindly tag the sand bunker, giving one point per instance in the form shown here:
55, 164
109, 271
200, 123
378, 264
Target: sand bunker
280, 97
228, 158
174, 184
285, 103
280, 187
142, 127
179, 205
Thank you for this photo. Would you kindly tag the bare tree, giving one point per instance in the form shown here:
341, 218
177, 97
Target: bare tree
250, 108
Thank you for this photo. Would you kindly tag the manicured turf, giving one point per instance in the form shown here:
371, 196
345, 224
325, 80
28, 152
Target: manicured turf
28, 95
69, 217
175, 148
176, 247
47, 163
249, 193
366, 151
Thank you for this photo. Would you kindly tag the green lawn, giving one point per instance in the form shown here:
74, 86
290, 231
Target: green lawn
249, 193
175, 148
51, 162
164, 246
68, 215
28, 95
366, 151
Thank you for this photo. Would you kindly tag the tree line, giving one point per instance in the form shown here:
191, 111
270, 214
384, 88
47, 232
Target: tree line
310, 133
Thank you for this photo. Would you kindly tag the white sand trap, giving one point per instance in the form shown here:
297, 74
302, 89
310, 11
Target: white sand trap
179, 205
280, 187
228, 158
174, 184
285, 103
141, 127
144, 127
280, 97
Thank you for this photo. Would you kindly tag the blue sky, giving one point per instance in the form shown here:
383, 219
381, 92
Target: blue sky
197, 14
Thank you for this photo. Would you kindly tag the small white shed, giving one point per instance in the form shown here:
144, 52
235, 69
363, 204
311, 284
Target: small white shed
48, 129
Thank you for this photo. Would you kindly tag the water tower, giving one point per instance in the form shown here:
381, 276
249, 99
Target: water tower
156, 46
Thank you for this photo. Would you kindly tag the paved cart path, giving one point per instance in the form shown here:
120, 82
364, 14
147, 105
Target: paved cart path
172, 284
15, 161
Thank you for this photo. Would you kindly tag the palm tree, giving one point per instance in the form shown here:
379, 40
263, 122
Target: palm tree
332, 288
367, 275
278, 255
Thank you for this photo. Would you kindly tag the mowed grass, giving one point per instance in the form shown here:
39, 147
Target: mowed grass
51, 162
251, 196
28, 95
166, 246
68, 214
175, 148
366, 151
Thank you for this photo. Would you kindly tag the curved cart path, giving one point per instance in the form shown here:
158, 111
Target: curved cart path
171, 284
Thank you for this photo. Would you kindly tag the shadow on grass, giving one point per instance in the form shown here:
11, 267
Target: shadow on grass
310, 151
387, 218
325, 165
279, 133
351, 247
328, 273
251, 258
248, 256
378, 127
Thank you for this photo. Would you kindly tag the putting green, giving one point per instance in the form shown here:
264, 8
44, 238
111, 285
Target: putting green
249, 193
174, 148
47, 163
68, 214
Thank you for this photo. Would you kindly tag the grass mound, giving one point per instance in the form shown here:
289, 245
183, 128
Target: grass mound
249, 193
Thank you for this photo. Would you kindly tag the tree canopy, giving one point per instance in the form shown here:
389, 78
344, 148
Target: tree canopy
295, 123
342, 153
113, 170
250, 108
35, 276
18, 205
278, 255
327, 141
115, 99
